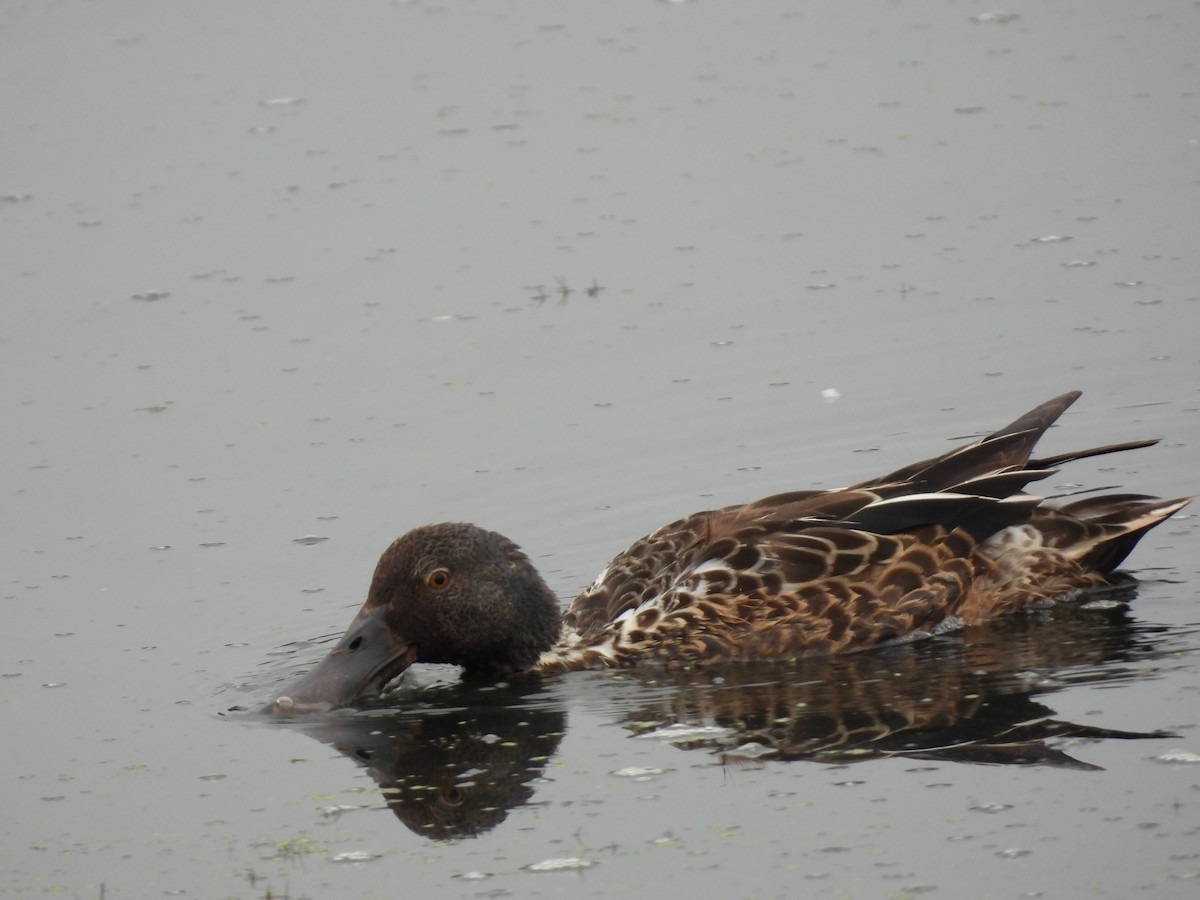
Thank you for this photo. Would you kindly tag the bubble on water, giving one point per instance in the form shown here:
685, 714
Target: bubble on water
1052, 239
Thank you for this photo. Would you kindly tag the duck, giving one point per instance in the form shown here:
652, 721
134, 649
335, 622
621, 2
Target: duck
943, 544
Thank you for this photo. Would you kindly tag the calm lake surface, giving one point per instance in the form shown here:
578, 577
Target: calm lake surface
284, 280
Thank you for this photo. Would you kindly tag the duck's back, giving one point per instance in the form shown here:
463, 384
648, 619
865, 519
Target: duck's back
937, 544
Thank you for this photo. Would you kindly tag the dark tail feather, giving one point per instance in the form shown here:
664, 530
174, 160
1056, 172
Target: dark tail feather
1011, 446
1040, 418
1050, 461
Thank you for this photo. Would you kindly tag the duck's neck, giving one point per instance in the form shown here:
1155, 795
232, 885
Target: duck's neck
533, 622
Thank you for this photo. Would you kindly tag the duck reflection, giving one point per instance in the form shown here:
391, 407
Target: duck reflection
454, 765
956, 700
459, 757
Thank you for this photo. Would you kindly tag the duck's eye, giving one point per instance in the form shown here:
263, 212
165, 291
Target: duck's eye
438, 579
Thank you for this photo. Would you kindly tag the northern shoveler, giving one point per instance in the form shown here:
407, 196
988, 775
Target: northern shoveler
941, 544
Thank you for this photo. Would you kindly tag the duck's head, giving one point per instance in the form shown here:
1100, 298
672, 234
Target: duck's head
450, 593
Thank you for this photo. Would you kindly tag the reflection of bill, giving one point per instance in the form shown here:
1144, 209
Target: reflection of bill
455, 766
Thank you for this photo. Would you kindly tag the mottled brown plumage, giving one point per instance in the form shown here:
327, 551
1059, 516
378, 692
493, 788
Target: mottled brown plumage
942, 543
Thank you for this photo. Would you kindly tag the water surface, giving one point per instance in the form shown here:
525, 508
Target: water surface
284, 280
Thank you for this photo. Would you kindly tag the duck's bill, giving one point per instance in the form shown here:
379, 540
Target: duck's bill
366, 658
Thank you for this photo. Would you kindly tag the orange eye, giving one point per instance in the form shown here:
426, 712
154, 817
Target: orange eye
438, 579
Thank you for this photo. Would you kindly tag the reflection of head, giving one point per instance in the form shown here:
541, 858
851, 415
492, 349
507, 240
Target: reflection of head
451, 773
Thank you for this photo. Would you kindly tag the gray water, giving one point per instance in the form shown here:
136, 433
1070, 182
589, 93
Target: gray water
283, 280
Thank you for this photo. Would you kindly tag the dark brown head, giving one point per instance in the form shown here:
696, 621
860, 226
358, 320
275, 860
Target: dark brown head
449, 593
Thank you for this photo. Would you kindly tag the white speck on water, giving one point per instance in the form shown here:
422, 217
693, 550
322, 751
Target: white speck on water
1013, 853
638, 773
561, 864
831, 395
1078, 264
751, 750
1100, 604
681, 731
355, 856
1052, 239
1184, 757
991, 808
333, 812
995, 17
474, 876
